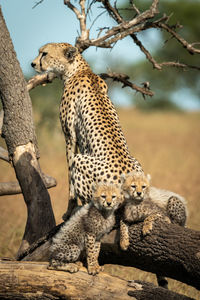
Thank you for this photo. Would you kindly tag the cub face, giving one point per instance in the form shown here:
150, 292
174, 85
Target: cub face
55, 57
135, 186
107, 197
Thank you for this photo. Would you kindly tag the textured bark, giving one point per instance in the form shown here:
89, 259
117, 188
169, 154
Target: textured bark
13, 188
34, 281
19, 134
170, 250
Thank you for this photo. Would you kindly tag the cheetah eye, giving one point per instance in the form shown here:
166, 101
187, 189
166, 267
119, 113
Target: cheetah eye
144, 186
44, 54
133, 186
103, 196
114, 196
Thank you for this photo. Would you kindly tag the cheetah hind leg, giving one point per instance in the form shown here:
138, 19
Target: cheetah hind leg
72, 204
149, 222
176, 211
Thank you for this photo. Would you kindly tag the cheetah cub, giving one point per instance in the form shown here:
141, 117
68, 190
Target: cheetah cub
84, 230
146, 203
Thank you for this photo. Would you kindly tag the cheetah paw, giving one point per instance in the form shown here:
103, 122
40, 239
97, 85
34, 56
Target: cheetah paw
93, 270
124, 244
147, 228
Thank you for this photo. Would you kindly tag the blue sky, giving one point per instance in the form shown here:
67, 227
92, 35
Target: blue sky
52, 21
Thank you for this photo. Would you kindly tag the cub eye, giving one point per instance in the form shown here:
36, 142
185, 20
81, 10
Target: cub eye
113, 196
133, 186
103, 196
144, 186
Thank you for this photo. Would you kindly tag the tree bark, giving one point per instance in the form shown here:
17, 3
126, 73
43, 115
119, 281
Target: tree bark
29, 280
170, 250
13, 188
18, 130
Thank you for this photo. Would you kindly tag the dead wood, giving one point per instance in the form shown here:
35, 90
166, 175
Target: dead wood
31, 280
170, 250
20, 138
13, 188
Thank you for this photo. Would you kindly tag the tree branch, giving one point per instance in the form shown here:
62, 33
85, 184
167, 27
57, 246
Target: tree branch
123, 78
13, 188
30, 280
40, 80
157, 253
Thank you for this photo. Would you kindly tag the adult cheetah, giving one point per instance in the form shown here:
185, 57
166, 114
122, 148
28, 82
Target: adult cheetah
89, 121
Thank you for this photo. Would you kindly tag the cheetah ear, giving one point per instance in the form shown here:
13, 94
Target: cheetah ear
70, 53
149, 177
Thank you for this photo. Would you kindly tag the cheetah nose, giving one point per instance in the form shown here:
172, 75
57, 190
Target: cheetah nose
109, 203
33, 65
139, 193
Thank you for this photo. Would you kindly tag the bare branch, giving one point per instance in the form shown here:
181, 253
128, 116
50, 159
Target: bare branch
134, 7
37, 3
124, 79
13, 188
156, 24
142, 21
178, 65
40, 79
81, 16
188, 46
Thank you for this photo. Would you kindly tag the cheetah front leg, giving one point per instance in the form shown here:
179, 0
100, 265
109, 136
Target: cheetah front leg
124, 237
92, 252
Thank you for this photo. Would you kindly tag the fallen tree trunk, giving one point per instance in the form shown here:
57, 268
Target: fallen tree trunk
170, 250
30, 280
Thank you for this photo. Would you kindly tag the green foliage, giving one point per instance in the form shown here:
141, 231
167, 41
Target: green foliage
46, 100
157, 105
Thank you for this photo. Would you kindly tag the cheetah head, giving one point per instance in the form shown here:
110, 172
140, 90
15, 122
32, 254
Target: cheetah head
59, 58
107, 196
135, 186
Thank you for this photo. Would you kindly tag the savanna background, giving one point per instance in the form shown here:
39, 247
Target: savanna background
163, 133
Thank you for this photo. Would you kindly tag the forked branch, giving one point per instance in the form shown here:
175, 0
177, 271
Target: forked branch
141, 21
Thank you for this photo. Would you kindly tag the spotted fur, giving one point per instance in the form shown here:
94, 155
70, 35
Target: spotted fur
148, 204
84, 230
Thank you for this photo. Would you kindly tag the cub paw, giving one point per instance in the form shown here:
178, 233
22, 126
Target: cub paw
93, 270
124, 244
147, 228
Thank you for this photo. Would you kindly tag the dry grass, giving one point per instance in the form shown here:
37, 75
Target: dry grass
166, 144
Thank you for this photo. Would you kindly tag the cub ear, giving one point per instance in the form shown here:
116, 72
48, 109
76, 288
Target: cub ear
70, 53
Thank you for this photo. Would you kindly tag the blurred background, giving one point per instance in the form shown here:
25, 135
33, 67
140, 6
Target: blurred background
162, 132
